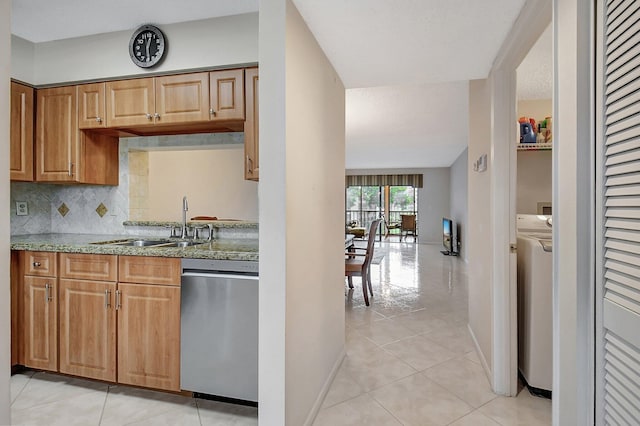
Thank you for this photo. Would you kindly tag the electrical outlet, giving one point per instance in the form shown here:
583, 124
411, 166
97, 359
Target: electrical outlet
21, 208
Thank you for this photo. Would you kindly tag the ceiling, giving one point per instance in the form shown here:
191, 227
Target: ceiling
406, 63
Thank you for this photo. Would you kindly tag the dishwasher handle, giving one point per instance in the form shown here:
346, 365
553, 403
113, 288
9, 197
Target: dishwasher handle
208, 274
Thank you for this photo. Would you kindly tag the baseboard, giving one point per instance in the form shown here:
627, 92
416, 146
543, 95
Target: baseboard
483, 360
325, 388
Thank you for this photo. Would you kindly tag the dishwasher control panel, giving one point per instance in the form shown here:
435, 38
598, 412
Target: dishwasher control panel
213, 265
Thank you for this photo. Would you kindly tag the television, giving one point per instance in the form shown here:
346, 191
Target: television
448, 240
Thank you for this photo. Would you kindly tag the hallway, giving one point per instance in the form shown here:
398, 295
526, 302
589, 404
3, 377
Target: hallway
410, 359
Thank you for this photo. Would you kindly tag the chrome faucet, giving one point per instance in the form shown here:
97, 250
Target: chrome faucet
185, 208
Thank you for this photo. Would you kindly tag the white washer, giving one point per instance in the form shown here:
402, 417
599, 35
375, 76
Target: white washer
535, 314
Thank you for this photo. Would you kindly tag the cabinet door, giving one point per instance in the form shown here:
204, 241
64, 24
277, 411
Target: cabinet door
40, 319
87, 329
130, 102
251, 125
91, 106
21, 132
149, 336
182, 98
56, 135
17, 350
227, 95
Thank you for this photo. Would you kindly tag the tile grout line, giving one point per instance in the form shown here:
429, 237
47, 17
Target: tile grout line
104, 404
21, 390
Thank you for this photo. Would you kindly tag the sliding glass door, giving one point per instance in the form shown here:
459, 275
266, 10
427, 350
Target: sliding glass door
364, 204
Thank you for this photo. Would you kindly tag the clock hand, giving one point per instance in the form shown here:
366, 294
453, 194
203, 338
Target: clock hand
148, 43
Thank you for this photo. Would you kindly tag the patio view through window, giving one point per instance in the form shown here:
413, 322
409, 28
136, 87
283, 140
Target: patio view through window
366, 203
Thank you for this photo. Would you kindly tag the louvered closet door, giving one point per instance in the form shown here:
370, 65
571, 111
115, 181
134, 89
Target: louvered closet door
618, 296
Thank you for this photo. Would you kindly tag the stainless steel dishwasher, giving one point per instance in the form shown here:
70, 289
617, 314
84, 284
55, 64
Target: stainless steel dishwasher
219, 328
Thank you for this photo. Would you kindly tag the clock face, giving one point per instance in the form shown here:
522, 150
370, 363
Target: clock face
147, 46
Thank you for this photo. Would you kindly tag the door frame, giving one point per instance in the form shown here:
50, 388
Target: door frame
534, 18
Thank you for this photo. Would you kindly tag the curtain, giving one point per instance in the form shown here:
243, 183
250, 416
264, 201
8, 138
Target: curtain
383, 180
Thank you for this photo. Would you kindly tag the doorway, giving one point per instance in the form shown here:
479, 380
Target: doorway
533, 206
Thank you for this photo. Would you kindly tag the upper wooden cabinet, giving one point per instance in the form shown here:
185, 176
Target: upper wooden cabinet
176, 99
130, 102
182, 98
227, 95
21, 161
251, 125
91, 106
63, 152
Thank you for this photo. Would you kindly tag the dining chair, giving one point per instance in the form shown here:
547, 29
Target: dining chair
408, 226
389, 225
358, 263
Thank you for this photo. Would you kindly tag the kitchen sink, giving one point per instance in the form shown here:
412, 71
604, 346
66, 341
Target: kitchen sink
142, 243
182, 244
149, 243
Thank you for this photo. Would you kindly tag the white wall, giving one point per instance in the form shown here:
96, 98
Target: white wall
196, 173
5, 293
538, 109
22, 59
534, 180
433, 199
301, 219
206, 43
458, 204
479, 227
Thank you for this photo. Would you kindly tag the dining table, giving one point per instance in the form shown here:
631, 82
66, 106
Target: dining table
349, 241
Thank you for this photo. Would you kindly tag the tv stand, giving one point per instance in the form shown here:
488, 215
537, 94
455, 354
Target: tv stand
449, 253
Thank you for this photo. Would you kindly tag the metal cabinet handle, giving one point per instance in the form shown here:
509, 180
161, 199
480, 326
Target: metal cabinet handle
70, 169
47, 292
118, 295
212, 111
99, 120
37, 264
107, 299
157, 116
249, 165
149, 116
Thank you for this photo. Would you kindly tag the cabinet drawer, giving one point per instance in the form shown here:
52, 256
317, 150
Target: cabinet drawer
39, 263
95, 267
149, 270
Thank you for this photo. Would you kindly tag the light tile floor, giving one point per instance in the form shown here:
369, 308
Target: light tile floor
410, 359
50, 399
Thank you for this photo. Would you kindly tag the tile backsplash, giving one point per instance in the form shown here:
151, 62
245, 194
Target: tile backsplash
82, 202
72, 208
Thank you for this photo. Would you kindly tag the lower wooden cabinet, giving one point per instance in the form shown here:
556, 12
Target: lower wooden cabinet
149, 336
87, 329
40, 323
17, 298
86, 323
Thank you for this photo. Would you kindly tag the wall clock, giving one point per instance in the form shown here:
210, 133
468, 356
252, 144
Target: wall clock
147, 46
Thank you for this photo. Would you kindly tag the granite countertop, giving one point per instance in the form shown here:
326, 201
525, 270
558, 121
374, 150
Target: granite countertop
218, 223
222, 249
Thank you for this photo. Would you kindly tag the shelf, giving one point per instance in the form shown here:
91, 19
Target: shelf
534, 146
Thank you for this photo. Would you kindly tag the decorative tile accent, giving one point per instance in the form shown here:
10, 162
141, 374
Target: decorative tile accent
63, 209
102, 210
